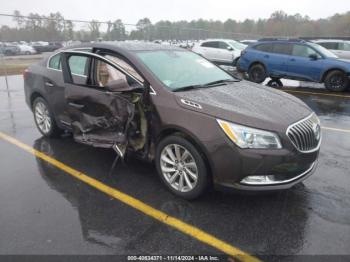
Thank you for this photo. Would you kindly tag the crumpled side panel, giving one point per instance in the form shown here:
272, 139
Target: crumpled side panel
104, 119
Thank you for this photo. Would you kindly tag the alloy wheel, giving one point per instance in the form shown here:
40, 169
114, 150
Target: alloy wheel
179, 168
337, 81
42, 117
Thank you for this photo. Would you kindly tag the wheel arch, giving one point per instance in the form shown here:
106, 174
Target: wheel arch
325, 73
34, 96
257, 62
180, 131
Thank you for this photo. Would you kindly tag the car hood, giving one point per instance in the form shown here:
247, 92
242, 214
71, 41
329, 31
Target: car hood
246, 103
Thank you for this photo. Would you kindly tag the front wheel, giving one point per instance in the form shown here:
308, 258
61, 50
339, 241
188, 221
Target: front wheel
257, 73
181, 167
44, 119
336, 81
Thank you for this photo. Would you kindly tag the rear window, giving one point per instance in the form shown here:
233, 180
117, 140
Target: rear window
55, 62
264, 47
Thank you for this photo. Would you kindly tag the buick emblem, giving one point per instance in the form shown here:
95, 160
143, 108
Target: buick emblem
317, 131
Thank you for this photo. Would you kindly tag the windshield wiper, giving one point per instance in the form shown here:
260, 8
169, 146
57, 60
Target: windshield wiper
222, 81
210, 84
185, 88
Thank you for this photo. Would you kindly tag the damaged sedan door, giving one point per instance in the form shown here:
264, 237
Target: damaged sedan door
99, 100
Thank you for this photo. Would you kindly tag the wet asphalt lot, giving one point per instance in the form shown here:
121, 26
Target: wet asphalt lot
43, 210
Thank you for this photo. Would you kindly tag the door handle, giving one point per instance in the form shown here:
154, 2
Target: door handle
266, 56
79, 106
292, 59
49, 84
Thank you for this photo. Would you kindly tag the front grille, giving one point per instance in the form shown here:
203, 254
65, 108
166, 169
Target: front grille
305, 134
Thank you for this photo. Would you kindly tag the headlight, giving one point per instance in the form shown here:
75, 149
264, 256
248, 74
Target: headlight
247, 137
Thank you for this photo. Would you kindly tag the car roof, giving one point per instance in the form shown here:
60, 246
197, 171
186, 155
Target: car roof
126, 46
218, 39
330, 40
282, 40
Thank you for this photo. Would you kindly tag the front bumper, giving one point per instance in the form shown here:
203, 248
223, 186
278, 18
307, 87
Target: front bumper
282, 168
273, 184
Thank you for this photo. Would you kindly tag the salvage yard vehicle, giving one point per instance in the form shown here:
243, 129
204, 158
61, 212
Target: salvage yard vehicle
220, 51
339, 47
198, 124
8, 50
294, 59
26, 50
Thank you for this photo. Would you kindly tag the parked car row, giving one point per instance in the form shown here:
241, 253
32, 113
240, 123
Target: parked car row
24, 48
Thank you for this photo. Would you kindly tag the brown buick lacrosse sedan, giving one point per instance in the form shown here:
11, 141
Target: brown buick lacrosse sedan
199, 125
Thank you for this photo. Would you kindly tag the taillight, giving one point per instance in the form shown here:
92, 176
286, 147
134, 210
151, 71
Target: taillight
25, 73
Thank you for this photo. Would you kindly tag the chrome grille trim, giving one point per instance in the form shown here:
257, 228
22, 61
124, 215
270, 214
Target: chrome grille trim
302, 135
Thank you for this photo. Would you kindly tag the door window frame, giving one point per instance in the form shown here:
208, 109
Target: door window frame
67, 75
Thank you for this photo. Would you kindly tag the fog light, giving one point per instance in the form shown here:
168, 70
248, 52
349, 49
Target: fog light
257, 180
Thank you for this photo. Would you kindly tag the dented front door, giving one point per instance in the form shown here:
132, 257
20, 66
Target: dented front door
97, 116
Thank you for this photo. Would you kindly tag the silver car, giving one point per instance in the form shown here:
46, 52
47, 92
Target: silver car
339, 47
220, 51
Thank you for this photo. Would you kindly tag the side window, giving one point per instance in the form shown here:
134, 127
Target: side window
264, 47
280, 48
78, 65
344, 46
126, 66
106, 73
304, 51
223, 45
330, 45
55, 62
212, 44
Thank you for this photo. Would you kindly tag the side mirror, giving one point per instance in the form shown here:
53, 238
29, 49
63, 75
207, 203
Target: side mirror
313, 57
229, 48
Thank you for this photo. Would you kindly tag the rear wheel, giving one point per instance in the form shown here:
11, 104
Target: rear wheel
44, 119
181, 167
257, 73
336, 81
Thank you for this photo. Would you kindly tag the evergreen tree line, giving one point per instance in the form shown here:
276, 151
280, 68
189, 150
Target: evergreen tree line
55, 27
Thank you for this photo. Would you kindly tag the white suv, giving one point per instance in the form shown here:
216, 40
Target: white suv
339, 47
220, 51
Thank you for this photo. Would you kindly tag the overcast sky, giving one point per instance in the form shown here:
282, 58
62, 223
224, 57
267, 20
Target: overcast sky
130, 11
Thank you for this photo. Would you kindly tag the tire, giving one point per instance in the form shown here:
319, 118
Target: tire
336, 81
275, 83
257, 73
43, 118
191, 170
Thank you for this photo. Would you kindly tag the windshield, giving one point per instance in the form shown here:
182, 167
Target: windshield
237, 45
177, 69
325, 52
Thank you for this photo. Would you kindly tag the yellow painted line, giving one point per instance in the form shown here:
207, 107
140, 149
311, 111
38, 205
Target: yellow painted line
336, 129
316, 93
139, 205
